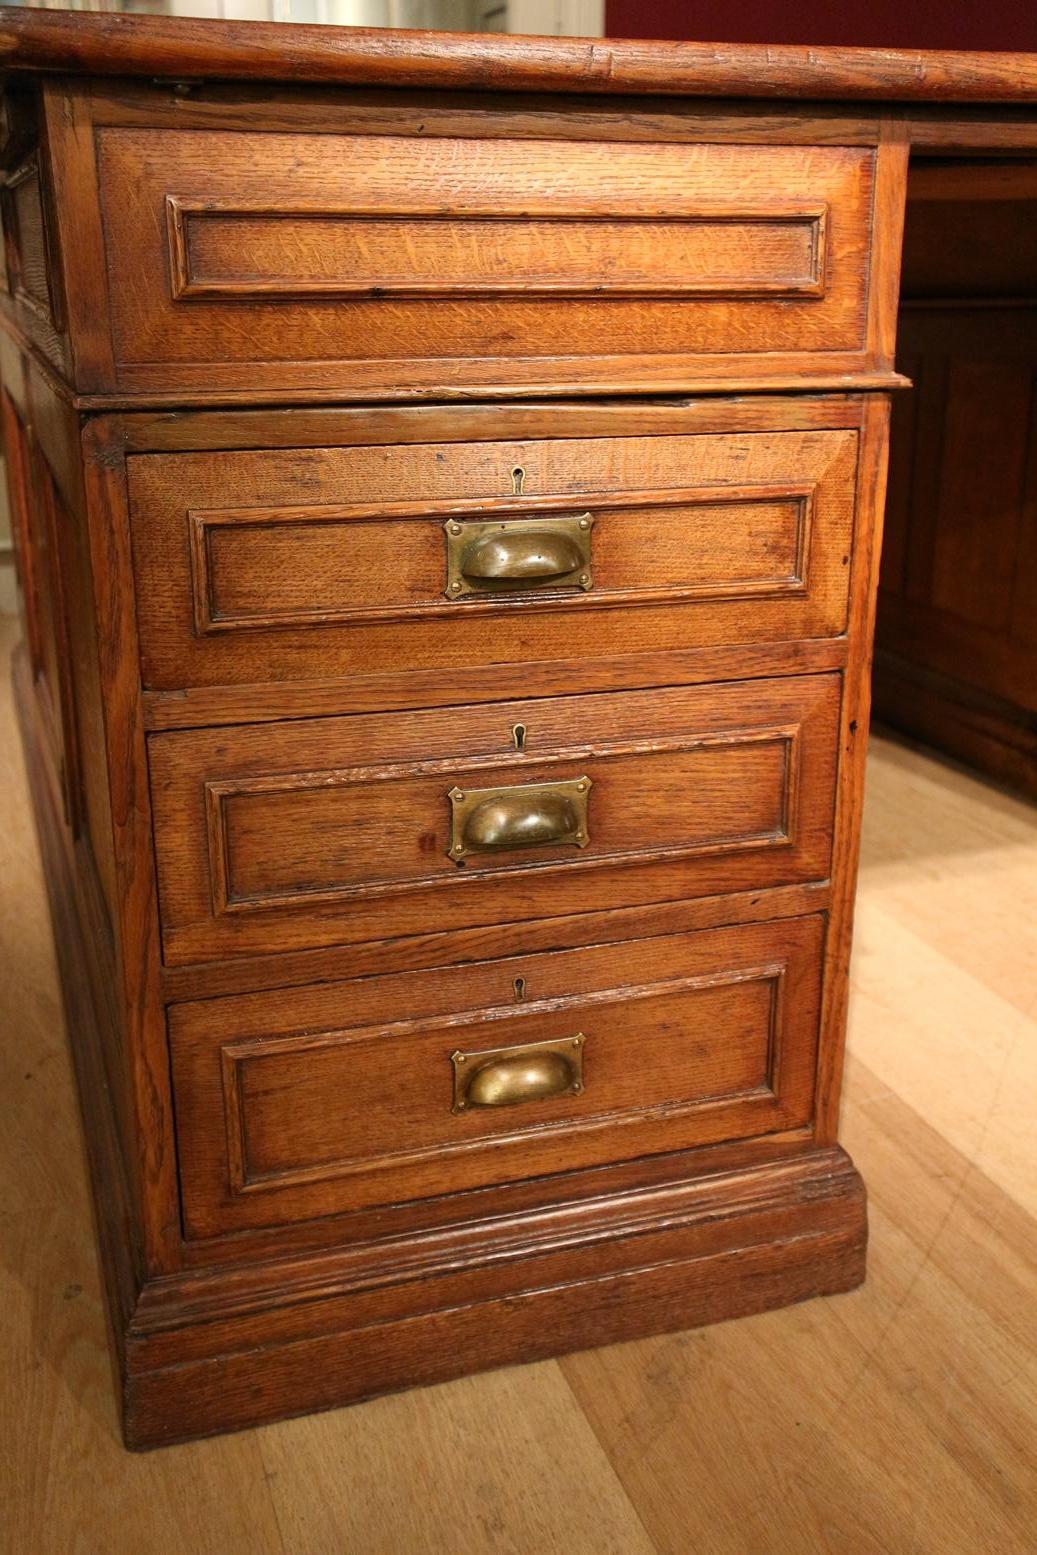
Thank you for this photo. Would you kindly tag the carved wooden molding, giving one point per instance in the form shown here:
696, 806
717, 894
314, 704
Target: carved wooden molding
220, 793
233, 1056
491, 237
210, 618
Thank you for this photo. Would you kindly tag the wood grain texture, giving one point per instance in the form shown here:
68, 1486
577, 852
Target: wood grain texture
737, 1241
86, 966
136, 922
337, 1096
79, 241
271, 106
246, 974
803, 1236
390, 262
327, 426
292, 720
155, 46
31, 292
959, 580
932, 1357
855, 712
267, 701
296, 835
333, 561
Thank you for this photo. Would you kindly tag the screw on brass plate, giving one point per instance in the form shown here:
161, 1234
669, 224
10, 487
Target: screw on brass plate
518, 735
518, 480
520, 988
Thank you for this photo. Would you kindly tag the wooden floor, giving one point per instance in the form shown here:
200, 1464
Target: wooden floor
898, 1420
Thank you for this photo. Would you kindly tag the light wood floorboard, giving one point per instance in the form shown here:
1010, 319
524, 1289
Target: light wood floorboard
899, 1420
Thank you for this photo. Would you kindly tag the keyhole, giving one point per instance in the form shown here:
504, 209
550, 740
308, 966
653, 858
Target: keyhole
518, 734
518, 480
520, 988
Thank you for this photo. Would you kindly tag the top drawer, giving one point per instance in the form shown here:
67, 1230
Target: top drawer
385, 265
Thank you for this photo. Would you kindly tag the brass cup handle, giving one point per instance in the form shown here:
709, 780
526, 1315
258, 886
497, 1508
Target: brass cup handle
496, 556
527, 815
515, 555
504, 1077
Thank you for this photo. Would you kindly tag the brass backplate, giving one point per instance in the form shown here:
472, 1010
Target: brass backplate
530, 542
509, 1076
525, 815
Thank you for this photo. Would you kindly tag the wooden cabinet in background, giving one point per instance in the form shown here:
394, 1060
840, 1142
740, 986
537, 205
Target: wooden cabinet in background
956, 637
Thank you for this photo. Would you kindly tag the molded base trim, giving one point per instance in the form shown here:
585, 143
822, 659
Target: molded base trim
789, 1234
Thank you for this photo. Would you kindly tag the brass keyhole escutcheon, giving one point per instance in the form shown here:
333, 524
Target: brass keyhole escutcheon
518, 480
518, 735
520, 989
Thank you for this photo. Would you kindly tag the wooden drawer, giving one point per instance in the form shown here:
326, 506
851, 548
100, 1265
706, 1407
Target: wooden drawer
318, 1100
386, 265
308, 833
301, 563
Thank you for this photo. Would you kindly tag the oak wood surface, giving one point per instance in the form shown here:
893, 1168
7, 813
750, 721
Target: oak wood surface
286, 836
79, 239
267, 701
347, 1234
731, 1240
155, 46
140, 1022
333, 561
32, 298
572, 115
793, 326
158, 431
403, 425
855, 712
959, 577
932, 1358
341, 1095
379, 263
248, 973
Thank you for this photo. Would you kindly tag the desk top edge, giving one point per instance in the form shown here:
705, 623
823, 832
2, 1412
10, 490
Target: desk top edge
92, 43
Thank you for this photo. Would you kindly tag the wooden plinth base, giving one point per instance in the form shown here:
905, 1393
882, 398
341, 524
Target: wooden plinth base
224, 1348
745, 1243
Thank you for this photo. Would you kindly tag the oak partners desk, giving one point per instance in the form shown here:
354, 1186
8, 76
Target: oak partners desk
448, 476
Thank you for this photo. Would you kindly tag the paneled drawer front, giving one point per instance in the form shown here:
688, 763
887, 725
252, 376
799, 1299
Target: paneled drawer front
331, 1098
388, 265
300, 834
300, 563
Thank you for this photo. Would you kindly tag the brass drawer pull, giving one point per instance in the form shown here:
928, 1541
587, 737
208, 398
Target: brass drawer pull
529, 815
525, 553
505, 1076
517, 554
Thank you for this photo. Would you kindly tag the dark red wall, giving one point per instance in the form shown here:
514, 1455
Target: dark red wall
911, 24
